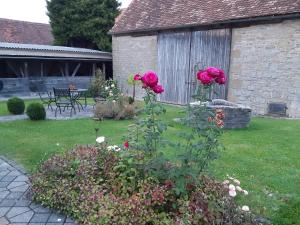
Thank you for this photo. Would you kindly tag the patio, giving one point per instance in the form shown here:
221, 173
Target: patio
16, 206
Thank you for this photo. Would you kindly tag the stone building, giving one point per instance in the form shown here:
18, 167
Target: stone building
257, 43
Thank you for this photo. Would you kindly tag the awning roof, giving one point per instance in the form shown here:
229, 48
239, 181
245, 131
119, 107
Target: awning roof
48, 51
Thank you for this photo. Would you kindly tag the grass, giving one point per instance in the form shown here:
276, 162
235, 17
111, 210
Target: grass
265, 157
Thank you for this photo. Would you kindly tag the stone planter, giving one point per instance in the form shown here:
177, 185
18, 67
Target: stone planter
236, 115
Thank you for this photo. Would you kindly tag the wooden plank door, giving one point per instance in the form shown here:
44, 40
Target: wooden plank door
210, 48
174, 66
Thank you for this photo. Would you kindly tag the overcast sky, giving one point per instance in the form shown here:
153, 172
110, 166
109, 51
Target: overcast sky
30, 10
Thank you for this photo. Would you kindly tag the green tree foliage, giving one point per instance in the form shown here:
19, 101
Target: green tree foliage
82, 23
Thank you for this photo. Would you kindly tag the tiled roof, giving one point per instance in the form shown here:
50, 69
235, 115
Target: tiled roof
147, 15
15, 31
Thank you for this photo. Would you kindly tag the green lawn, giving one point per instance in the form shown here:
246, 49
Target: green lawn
265, 156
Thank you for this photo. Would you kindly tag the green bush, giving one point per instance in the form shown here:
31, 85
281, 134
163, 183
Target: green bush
36, 111
99, 186
119, 110
16, 106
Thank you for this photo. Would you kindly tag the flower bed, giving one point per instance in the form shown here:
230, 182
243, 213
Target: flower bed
137, 184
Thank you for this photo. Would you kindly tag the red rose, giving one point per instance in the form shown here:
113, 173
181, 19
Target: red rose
214, 72
222, 78
126, 144
204, 78
137, 77
158, 89
150, 79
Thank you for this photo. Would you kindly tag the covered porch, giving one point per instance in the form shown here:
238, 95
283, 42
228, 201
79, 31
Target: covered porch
26, 69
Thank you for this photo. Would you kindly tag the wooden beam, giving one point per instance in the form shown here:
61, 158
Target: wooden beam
67, 69
104, 69
76, 70
21, 71
62, 71
11, 66
94, 69
26, 72
42, 69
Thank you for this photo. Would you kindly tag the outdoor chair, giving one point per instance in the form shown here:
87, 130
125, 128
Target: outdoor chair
63, 99
47, 99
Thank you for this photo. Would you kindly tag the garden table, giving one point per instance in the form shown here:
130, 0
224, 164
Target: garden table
79, 94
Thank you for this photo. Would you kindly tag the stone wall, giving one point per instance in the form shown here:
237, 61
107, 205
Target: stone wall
133, 55
25, 86
265, 66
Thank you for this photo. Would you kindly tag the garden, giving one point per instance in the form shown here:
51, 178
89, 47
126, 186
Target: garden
154, 170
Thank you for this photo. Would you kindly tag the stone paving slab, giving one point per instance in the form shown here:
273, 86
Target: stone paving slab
50, 115
15, 206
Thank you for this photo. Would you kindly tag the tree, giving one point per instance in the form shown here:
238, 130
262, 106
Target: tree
82, 23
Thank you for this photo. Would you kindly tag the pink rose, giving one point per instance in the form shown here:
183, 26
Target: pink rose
213, 72
222, 79
150, 79
137, 77
204, 78
158, 89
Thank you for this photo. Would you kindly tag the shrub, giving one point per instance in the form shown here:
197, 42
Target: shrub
97, 85
16, 106
36, 111
98, 186
120, 109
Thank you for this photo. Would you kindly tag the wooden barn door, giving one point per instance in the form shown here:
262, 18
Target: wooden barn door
174, 66
210, 48
178, 53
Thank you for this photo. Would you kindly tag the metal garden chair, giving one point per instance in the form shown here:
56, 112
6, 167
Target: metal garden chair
63, 99
47, 99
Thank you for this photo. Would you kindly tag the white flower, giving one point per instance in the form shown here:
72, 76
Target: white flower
238, 188
114, 101
117, 149
100, 140
109, 148
245, 208
236, 181
57, 144
232, 193
245, 192
114, 148
112, 85
231, 187
225, 182
106, 88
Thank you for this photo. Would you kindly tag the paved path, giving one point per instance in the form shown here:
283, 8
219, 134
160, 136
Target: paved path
86, 113
15, 207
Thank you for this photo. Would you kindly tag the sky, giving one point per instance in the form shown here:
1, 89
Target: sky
30, 10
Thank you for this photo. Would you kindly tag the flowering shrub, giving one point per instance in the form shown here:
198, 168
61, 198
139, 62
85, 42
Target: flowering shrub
111, 90
95, 185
